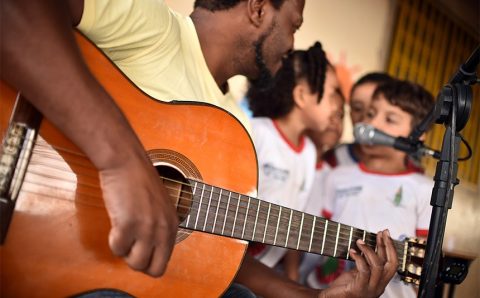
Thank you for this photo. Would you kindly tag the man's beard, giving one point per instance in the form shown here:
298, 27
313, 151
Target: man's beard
265, 79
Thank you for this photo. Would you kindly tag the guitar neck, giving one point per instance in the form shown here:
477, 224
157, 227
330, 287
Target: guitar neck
222, 212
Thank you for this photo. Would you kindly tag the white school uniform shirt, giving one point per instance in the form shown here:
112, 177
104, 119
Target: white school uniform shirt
315, 198
373, 201
341, 155
286, 173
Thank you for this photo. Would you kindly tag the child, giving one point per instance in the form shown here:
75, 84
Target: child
327, 139
360, 98
323, 141
382, 190
282, 115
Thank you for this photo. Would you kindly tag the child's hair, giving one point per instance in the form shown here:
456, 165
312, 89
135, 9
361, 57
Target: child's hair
408, 96
372, 77
277, 100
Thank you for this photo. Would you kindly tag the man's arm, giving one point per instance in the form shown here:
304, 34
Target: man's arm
266, 282
40, 58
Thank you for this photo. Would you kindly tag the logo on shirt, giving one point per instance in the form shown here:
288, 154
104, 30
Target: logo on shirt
398, 197
348, 192
275, 173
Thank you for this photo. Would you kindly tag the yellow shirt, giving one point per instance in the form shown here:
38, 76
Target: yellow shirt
157, 48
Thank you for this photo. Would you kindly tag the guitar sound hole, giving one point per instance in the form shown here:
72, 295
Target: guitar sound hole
178, 188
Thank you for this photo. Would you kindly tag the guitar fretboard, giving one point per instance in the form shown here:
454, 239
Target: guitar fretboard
222, 212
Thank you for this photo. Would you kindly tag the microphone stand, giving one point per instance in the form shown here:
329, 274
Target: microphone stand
452, 109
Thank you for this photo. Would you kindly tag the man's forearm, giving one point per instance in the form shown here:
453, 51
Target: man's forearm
265, 282
40, 58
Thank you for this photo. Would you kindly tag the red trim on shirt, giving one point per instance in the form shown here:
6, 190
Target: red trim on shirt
330, 158
295, 148
319, 165
364, 169
421, 233
327, 214
415, 168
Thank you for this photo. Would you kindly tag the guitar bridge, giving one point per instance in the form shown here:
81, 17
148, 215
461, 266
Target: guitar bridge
16, 150
15, 154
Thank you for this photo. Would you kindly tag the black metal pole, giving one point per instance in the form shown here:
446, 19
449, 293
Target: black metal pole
441, 201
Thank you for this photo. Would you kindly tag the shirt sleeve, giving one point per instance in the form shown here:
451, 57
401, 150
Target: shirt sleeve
128, 28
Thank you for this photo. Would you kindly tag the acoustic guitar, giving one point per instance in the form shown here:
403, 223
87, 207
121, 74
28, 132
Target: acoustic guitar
54, 226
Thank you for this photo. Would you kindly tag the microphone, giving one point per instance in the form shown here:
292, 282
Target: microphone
369, 135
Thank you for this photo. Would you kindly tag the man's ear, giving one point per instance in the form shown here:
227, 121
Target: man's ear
299, 92
256, 11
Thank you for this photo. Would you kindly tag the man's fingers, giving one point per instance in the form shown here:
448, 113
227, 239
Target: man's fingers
140, 256
374, 263
363, 275
158, 263
381, 251
120, 242
391, 265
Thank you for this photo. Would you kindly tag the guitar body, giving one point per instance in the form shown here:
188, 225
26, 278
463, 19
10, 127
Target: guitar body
57, 241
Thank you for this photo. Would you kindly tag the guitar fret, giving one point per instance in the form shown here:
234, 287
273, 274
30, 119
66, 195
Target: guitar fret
226, 212
278, 223
256, 219
349, 242
199, 206
404, 256
289, 226
300, 232
266, 222
208, 209
216, 212
236, 213
336, 241
324, 234
193, 196
246, 217
311, 236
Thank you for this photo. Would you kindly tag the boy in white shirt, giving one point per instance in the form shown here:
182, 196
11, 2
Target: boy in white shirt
360, 98
382, 190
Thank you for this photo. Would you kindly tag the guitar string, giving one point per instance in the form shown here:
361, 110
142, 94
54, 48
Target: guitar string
329, 245
235, 200
164, 178
330, 234
81, 155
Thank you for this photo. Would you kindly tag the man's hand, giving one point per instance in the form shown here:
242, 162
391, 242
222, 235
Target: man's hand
374, 270
143, 219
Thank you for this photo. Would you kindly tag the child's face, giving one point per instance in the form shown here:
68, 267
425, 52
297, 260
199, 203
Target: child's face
360, 101
332, 134
388, 118
318, 115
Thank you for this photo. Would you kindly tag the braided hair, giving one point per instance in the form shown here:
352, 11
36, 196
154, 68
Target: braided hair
277, 100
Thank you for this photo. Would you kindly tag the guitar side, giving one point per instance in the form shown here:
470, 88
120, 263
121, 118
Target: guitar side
57, 241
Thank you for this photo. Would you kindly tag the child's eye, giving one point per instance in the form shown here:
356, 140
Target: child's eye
391, 120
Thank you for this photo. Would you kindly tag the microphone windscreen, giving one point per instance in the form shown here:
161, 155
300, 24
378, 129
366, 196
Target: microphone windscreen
369, 135
363, 133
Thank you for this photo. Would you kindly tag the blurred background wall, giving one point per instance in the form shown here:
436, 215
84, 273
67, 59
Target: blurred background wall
421, 40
